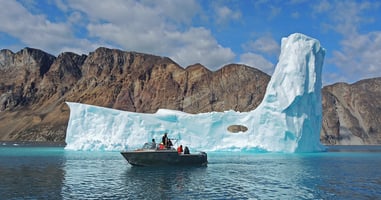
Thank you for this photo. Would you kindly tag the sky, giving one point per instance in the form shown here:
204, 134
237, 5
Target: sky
212, 33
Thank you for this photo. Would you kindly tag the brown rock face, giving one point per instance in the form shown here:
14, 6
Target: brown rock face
32, 97
352, 113
20, 74
32, 84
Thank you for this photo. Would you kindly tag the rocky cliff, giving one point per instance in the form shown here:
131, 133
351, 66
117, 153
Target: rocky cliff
352, 113
34, 86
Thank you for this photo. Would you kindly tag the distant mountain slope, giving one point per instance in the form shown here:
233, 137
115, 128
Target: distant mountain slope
34, 86
352, 113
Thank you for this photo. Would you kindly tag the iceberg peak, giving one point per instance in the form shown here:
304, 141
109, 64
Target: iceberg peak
287, 120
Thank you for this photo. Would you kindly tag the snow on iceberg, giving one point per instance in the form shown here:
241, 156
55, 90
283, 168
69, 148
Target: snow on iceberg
288, 119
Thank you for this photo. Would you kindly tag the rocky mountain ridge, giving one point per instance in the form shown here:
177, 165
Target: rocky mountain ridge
352, 113
34, 86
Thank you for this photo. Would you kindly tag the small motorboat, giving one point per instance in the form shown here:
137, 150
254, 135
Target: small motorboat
154, 156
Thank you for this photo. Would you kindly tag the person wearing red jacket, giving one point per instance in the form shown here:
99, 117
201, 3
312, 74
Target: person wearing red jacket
180, 149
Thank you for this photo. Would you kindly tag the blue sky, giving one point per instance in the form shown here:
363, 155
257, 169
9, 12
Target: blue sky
213, 33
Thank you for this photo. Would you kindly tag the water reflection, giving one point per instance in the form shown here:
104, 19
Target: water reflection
227, 176
264, 176
31, 173
94, 175
162, 182
49, 173
237, 176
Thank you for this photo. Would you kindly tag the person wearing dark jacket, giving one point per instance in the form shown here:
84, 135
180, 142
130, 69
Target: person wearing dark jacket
186, 150
165, 140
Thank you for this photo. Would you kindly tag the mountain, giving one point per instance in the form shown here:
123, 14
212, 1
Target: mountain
34, 86
352, 113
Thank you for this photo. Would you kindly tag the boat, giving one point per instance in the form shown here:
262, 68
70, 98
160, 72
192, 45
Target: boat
148, 156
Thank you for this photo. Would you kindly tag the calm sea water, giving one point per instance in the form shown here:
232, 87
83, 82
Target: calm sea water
30, 172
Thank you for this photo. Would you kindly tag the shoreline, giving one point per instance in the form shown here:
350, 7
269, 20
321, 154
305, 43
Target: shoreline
330, 148
32, 144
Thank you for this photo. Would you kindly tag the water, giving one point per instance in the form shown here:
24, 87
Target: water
30, 172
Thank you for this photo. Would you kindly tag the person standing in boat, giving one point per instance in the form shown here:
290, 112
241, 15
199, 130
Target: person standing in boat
165, 140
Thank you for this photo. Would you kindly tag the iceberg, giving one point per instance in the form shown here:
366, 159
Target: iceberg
287, 120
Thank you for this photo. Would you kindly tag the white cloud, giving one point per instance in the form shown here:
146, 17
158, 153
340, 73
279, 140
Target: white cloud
224, 14
75, 18
257, 49
198, 45
358, 56
157, 27
333, 77
321, 6
165, 28
264, 44
347, 16
257, 61
61, 5
36, 30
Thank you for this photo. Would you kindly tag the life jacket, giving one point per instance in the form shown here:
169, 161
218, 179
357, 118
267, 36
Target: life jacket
161, 146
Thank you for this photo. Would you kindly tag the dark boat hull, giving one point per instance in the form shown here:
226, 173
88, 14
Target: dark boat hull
164, 157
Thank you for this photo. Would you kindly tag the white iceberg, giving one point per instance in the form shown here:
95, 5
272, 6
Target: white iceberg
288, 119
